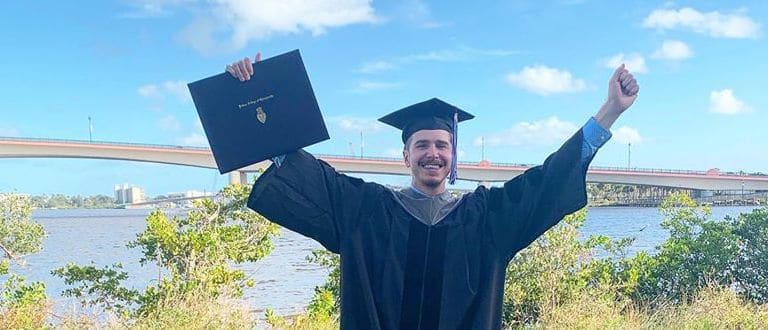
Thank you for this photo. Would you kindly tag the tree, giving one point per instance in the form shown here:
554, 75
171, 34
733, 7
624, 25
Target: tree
751, 269
19, 235
326, 302
700, 251
21, 304
195, 250
560, 268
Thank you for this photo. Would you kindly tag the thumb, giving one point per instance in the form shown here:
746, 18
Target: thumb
257, 57
617, 73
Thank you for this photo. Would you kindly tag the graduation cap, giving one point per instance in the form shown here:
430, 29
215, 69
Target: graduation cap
430, 114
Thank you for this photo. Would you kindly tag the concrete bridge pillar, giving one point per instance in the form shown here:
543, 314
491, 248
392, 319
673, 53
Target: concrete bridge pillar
238, 177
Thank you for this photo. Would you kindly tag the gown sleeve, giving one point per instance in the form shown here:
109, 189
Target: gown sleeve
529, 204
308, 196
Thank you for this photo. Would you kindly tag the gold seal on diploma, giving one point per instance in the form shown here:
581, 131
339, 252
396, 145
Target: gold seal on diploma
261, 115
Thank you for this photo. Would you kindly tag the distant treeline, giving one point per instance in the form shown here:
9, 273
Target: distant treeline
60, 201
606, 194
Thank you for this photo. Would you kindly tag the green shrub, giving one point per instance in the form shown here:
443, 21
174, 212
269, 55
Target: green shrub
22, 305
732, 252
196, 251
558, 268
751, 270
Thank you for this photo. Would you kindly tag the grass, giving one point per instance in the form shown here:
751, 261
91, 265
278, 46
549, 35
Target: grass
32, 316
713, 308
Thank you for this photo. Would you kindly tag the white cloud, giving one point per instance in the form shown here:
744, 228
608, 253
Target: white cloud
200, 34
712, 23
548, 131
418, 12
724, 102
369, 86
196, 137
454, 55
673, 50
241, 21
177, 89
152, 8
149, 91
169, 123
626, 134
633, 62
195, 140
376, 66
444, 55
357, 125
544, 80
9, 131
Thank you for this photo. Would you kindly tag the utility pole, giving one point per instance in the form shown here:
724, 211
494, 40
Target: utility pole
482, 148
629, 155
362, 144
90, 130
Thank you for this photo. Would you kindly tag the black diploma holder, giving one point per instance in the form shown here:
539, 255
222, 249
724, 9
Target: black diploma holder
273, 113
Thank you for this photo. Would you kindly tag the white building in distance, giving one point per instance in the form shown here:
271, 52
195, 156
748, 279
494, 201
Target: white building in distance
125, 194
184, 199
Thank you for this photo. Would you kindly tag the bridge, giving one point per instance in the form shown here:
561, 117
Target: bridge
482, 172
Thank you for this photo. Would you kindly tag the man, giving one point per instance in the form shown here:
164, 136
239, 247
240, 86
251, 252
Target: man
420, 258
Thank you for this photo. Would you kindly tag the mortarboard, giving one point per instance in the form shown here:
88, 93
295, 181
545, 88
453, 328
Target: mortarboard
430, 114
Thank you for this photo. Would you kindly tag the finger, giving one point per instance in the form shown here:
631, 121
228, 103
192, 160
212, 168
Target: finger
248, 66
628, 88
238, 72
633, 91
257, 57
244, 69
231, 70
625, 84
627, 78
241, 65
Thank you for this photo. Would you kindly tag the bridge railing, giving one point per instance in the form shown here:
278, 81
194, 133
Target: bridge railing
604, 168
398, 160
648, 170
130, 144
388, 159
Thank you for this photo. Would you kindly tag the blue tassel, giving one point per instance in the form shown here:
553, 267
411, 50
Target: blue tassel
454, 164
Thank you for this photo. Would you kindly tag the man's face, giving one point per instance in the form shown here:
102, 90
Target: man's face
428, 155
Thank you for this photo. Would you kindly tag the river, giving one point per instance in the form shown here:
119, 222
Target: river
285, 281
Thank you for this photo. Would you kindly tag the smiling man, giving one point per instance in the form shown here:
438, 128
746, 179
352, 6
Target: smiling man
420, 258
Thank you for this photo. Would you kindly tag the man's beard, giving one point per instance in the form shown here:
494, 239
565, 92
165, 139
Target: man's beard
433, 183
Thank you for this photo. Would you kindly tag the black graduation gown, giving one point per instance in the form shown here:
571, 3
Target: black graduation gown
397, 272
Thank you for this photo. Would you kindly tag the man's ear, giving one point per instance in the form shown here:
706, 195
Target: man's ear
405, 158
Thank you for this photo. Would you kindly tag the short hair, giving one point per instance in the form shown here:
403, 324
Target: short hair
407, 143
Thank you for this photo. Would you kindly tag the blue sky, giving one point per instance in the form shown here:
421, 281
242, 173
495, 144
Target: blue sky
531, 71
